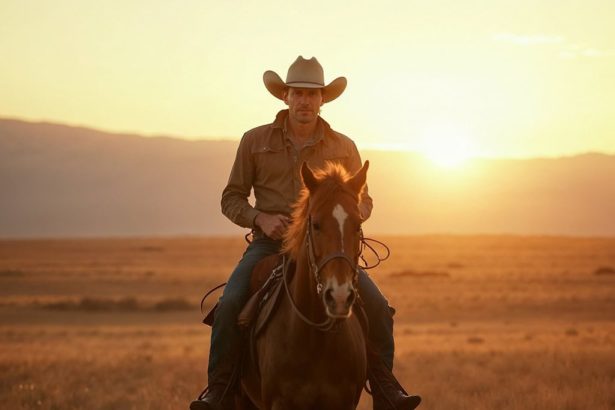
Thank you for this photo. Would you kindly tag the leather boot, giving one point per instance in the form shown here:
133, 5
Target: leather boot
220, 393
387, 393
214, 397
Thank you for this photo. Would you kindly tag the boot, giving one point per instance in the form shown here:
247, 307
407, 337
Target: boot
387, 393
220, 393
216, 396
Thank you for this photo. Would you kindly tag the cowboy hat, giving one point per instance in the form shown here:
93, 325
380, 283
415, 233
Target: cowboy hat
304, 74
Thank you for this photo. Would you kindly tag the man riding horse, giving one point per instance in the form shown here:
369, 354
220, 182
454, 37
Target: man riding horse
269, 160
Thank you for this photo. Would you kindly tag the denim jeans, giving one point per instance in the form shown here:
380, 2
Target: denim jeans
225, 335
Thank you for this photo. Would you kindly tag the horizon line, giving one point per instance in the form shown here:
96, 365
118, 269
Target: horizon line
240, 236
385, 147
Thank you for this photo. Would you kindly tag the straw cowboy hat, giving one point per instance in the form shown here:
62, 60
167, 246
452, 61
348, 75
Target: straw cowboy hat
304, 74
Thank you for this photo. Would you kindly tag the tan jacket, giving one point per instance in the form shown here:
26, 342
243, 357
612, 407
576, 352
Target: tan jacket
268, 162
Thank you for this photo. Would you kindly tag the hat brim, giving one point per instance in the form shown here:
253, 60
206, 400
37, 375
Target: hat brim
330, 92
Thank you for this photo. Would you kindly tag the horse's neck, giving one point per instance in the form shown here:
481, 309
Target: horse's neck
304, 291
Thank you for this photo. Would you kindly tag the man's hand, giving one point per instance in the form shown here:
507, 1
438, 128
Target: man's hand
273, 226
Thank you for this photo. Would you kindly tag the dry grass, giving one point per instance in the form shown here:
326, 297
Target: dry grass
482, 322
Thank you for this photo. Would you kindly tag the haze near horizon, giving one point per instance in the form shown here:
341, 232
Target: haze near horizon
478, 79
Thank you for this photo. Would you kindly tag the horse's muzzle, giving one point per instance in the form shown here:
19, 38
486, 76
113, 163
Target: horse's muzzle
338, 300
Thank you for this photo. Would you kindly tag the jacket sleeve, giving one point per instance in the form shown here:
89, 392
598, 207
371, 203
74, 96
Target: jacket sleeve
234, 202
366, 204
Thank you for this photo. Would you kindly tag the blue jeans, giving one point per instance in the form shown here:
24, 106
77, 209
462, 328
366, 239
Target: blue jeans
225, 334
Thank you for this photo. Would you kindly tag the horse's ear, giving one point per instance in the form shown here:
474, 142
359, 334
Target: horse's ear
357, 181
309, 180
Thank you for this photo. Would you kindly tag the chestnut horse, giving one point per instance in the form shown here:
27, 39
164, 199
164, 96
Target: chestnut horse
312, 353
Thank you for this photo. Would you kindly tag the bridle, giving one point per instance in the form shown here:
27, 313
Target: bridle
315, 268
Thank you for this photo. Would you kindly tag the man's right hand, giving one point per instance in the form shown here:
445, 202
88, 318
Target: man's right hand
273, 226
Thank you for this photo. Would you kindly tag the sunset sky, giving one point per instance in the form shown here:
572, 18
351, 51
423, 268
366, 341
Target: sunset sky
491, 78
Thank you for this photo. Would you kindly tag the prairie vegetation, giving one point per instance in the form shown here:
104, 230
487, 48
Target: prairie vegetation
482, 322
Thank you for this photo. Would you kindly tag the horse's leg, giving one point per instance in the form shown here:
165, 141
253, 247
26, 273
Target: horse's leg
279, 405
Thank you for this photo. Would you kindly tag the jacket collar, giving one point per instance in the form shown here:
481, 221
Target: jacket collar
280, 123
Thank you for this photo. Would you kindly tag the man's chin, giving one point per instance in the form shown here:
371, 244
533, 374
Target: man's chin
305, 118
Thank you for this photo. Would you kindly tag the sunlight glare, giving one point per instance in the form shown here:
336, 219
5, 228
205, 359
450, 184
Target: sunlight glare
446, 146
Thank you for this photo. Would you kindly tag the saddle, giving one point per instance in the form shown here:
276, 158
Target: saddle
265, 285
265, 291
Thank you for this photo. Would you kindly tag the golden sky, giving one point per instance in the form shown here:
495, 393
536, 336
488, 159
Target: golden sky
493, 78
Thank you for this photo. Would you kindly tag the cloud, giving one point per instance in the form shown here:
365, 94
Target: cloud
527, 40
593, 52
567, 50
579, 52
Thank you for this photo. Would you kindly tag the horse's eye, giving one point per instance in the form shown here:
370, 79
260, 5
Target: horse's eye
316, 226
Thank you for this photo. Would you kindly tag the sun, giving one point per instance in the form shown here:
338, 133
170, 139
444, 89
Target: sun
446, 146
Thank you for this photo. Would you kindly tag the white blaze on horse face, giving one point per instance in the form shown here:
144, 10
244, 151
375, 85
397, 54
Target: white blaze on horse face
340, 214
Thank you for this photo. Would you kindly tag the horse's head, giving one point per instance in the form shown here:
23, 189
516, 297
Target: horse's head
327, 221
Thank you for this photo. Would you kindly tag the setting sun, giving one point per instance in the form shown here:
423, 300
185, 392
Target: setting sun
446, 146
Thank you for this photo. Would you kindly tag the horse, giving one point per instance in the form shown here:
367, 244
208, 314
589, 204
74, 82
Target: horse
312, 353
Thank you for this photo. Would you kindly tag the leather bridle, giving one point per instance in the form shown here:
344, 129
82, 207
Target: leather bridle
315, 268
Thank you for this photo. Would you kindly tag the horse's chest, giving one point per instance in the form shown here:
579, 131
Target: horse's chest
307, 394
311, 382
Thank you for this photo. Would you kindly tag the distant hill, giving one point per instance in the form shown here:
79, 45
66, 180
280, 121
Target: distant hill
57, 180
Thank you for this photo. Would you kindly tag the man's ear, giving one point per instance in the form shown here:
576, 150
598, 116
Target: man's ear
285, 96
309, 180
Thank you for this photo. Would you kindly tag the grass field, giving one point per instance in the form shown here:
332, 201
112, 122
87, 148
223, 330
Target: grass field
483, 322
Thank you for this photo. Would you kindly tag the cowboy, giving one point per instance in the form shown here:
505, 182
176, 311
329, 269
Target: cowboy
268, 161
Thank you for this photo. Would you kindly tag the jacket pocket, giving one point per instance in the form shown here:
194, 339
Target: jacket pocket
331, 154
336, 153
271, 164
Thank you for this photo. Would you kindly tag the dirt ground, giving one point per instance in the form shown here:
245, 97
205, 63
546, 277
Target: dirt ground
483, 322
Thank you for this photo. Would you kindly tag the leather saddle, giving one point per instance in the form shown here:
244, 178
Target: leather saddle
265, 294
265, 286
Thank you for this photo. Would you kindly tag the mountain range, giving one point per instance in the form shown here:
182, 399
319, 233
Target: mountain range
64, 181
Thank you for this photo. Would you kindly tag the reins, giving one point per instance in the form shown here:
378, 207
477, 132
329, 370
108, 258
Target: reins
212, 290
323, 326
364, 244
315, 269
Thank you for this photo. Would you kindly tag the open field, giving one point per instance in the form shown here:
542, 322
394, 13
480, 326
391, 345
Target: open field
483, 322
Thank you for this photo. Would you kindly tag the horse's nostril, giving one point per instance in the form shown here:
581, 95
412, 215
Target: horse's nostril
351, 298
329, 295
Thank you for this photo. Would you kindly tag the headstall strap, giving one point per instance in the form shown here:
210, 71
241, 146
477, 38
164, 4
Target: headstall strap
316, 267
313, 266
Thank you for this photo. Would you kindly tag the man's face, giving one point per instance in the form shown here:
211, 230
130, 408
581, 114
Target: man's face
303, 103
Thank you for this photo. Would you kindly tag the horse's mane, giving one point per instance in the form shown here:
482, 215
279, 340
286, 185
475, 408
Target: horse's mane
331, 179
